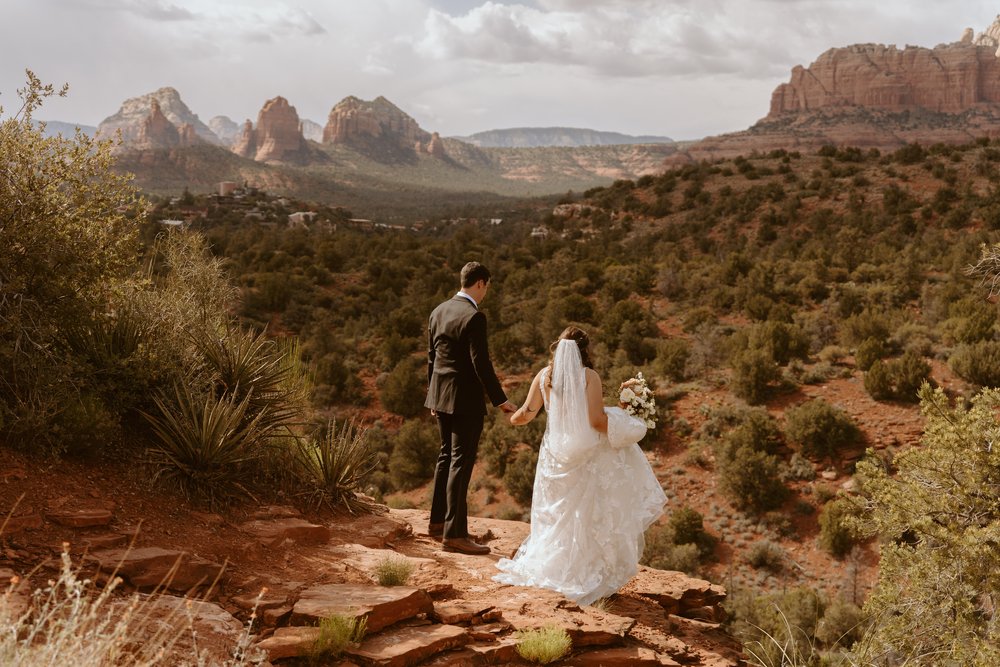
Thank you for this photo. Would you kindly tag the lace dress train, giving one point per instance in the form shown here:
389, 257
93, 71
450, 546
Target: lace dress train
588, 516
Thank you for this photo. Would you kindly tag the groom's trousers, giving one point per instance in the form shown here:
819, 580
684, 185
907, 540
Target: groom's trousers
459, 445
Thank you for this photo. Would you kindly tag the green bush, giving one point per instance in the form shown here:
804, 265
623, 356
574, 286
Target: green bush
821, 429
868, 352
672, 355
752, 480
842, 624
753, 373
835, 535
898, 379
979, 363
766, 555
414, 455
519, 477
405, 388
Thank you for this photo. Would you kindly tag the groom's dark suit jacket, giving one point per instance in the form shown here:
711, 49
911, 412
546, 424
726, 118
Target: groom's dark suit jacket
459, 367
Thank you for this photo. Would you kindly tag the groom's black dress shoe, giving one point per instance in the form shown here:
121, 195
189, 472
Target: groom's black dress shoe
464, 545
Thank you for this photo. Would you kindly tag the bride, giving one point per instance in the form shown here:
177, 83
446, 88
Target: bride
594, 494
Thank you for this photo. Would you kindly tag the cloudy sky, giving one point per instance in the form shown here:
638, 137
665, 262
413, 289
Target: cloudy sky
681, 68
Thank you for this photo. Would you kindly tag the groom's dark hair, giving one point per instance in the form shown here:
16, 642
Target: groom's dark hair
473, 272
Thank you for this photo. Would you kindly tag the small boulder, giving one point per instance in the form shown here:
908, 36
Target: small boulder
150, 567
408, 645
273, 532
291, 642
382, 606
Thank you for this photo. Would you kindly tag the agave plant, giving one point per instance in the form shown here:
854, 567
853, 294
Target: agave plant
206, 444
333, 467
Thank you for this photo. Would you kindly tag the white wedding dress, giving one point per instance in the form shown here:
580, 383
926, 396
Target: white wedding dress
594, 495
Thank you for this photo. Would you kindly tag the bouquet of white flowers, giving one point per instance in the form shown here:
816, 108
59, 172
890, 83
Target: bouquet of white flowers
637, 399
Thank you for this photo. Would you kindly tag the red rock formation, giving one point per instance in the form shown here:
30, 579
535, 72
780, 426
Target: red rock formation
355, 121
131, 121
277, 137
948, 79
246, 143
436, 146
156, 131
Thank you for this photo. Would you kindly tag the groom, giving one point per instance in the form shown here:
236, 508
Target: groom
459, 370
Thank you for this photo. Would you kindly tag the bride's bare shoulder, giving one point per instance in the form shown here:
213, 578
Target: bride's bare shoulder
592, 376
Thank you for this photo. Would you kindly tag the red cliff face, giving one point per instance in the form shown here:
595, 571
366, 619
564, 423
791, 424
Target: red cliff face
946, 79
277, 137
355, 121
156, 131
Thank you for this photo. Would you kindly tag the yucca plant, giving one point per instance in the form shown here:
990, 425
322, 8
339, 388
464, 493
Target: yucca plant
333, 467
249, 366
206, 444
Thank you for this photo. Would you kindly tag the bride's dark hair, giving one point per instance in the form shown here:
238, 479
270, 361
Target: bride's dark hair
582, 343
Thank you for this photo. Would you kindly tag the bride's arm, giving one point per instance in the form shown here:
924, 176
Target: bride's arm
532, 404
595, 402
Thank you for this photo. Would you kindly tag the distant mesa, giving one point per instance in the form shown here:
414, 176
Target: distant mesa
277, 136
68, 130
225, 128
537, 137
142, 127
878, 96
380, 125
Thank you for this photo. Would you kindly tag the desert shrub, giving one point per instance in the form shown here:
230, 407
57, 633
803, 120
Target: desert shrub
780, 340
833, 354
779, 628
699, 317
405, 387
878, 381
898, 379
971, 320
672, 355
753, 373
662, 553
414, 455
752, 480
978, 363
835, 535
334, 466
519, 478
935, 585
820, 428
336, 633
393, 571
69, 239
842, 624
753, 429
868, 352
543, 645
799, 467
864, 325
766, 555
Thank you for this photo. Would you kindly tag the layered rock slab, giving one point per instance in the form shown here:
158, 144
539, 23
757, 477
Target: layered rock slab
407, 646
150, 567
380, 606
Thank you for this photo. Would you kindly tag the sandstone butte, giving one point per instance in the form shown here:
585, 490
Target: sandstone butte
156, 120
277, 136
378, 123
877, 96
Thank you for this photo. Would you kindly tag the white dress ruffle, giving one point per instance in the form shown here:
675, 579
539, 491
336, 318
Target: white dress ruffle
588, 517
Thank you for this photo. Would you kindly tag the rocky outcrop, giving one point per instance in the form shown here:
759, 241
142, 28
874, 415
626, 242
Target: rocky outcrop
277, 136
312, 130
226, 129
876, 96
375, 124
947, 79
142, 127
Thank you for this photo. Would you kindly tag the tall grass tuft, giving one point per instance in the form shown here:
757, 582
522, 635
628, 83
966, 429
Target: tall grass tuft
334, 466
543, 645
70, 622
336, 633
393, 571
